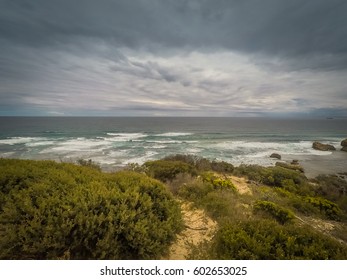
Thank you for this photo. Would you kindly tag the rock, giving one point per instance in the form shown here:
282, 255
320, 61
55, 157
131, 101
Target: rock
344, 143
274, 155
291, 167
323, 147
344, 149
295, 162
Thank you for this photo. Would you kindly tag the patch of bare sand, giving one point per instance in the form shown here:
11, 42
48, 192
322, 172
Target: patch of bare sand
199, 228
240, 184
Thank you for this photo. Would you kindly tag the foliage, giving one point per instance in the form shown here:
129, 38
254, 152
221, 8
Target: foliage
88, 163
135, 167
202, 164
328, 208
195, 190
164, 170
218, 201
53, 211
217, 182
333, 188
294, 167
277, 176
281, 214
264, 239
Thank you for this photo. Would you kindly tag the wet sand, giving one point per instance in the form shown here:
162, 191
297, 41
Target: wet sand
315, 165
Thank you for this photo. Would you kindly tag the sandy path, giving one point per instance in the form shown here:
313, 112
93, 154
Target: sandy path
199, 228
240, 184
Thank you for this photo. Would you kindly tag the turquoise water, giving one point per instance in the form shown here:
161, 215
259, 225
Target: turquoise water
115, 142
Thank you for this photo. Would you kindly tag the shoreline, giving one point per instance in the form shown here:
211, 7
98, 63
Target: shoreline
314, 165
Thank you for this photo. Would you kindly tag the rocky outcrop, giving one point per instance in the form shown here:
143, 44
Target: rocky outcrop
274, 155
323, 147
344, 145
295, 167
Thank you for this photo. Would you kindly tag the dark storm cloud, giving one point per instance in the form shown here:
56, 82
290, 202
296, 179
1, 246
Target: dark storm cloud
174, 55
293, 28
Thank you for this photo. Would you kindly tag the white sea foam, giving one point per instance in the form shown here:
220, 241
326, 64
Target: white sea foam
40, 143
149, 155
158, 146
124, 137
81, 144
173, 134
20, 140
170, 141
262, 149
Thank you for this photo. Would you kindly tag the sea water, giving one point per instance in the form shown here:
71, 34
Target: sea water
114, 142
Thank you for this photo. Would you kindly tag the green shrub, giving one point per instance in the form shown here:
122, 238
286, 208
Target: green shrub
277, 176
220, 205
294, 167
333, 188
217, 182
164, 170
88, 163
77, 212
202, 164
195, 191
328, 208
267, 240
222, 167
282, 215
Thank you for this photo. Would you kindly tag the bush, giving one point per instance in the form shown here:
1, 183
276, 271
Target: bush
88, 163
290, 166
282, 215
164, 170
267, 240
220, 205
195, 190
217, 182
217, 200
222, 167
333, 188
277, 176
202, 164
326, 207
75, 212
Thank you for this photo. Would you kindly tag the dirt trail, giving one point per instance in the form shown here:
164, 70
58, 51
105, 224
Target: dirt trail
241, 184
199, 228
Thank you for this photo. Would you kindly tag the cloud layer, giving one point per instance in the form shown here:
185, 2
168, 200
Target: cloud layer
179, 57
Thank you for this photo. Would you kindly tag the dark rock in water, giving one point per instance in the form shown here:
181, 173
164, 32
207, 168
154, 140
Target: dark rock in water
344, 149
344, 143
323, 147
295, 162
274, 155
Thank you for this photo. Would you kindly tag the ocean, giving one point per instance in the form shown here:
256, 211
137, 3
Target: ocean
114, 142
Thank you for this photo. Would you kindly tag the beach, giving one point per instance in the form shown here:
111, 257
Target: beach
314, 165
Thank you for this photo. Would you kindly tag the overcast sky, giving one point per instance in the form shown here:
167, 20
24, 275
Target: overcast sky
173, 57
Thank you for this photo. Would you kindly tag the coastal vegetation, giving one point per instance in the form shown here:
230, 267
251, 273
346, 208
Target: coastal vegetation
52, 210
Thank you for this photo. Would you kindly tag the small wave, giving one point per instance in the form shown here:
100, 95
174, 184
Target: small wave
262, 149
40, 143
19, 140
124, 137
173, 134
170, 141
81, 144
141, 159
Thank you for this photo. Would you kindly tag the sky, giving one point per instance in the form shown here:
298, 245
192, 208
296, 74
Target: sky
244, 58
